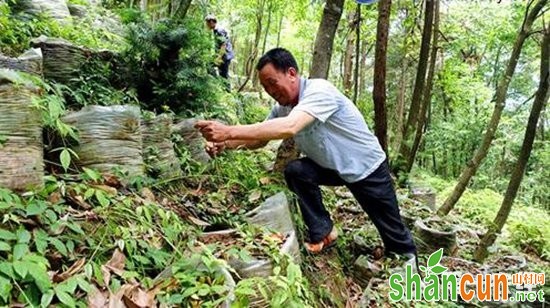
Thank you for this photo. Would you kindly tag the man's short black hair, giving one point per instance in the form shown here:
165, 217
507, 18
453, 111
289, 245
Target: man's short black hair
281, 59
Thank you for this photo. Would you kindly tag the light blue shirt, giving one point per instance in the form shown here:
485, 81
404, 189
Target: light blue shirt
339, 138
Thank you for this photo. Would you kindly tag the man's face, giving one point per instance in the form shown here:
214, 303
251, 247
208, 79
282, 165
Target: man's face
282, 86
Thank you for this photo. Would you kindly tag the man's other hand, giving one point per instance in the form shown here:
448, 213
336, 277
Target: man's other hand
213, 131
214, 148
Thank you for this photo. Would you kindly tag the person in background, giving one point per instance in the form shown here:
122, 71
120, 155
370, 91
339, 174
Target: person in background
339, 150
224, 50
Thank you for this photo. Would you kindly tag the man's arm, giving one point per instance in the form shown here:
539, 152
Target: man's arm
279, 128
215, 148
244, 144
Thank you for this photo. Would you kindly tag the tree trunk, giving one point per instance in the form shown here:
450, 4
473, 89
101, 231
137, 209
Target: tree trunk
250, 61
179, 8
414, 110
363, 67
255, 79
379, 91
517, 175
500, 98
324, 41
279, 29
426, 100
348, 55
401, 94
357, 54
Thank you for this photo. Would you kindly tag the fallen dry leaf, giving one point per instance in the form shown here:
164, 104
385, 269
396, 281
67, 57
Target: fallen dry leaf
71, 271
96, 298
265, 180
108, 189
111, 180
198, 222
54, 197
117, 260
106, 273
148, 195
255, 196
115, 265
78, 201
137, 297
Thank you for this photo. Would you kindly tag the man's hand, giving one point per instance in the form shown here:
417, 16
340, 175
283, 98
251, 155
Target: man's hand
214, 148
213, 131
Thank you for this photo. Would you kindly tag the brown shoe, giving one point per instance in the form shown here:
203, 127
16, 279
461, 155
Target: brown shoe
323, 245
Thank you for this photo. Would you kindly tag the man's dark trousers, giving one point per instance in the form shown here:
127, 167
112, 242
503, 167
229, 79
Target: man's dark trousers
375, 193
223, 68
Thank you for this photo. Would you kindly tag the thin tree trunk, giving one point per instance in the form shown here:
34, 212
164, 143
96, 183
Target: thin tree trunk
357, 54
500, 98
496, 65
427, 91
401, 94
324, 40
379, 91
348, 55
363, 67
517, 175
414, 110
179, 8
255, 80
249, 67
267, 26
280, 27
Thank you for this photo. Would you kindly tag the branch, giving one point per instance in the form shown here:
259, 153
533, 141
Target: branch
526, 101
443, 36
543, 12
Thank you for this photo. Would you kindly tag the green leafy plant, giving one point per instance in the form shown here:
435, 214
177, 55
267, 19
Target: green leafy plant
169, 65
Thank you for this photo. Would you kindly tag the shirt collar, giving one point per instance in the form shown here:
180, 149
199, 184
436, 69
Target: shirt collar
303, 82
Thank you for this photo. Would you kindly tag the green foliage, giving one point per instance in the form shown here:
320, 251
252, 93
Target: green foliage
170, 63
526, 229
99, 84
25, 248
530, 238
250, 109
284, 288
17, 30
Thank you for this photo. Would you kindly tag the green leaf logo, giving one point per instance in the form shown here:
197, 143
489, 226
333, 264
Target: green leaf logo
433, 263
435, 258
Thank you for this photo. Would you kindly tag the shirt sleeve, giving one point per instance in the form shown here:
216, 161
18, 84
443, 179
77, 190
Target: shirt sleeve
224, 37
318, 101
274, 113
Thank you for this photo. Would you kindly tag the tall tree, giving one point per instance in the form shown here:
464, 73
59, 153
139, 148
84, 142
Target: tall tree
379, 91
324, 41
427, 97
179, 8
348, 54
365, 50
541, 99
414, 110
279, 28
500, 99
357, 54
250, 61
255, 79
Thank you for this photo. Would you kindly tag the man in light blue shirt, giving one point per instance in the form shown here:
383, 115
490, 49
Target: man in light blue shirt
339, 150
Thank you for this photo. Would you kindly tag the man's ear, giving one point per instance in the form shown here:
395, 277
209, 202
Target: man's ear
292, 72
